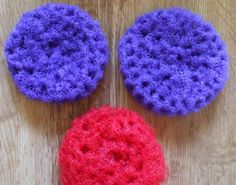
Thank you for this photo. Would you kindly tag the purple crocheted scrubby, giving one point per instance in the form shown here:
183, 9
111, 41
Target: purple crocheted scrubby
173, 61
56, 53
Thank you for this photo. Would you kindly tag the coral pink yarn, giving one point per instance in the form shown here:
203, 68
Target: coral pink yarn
111, 146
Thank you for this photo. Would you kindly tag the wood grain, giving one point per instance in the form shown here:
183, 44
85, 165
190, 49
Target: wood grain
200, 149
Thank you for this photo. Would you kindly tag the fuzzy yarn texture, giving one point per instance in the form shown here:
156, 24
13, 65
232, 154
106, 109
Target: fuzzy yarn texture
173, 61
111, 146
56, 53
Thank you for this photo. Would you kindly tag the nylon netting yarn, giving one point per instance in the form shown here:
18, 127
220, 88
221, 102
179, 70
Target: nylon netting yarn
111, 146
173, 61
56, 52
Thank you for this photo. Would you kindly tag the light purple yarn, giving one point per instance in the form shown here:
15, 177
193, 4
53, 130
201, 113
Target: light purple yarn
173, 61
56, 53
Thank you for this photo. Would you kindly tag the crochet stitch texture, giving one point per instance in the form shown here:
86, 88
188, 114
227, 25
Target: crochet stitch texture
56, 53
111, 146
173, 61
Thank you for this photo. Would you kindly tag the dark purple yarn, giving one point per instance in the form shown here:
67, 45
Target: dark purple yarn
173, 61
56, 53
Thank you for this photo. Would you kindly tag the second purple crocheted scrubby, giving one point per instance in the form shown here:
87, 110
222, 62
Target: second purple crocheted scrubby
173, 61
56, 53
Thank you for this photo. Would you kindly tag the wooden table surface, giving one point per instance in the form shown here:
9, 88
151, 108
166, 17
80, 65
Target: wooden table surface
200, 149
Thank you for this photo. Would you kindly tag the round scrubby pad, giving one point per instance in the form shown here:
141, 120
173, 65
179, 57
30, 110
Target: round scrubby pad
111, 146
173, 61
56, 52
